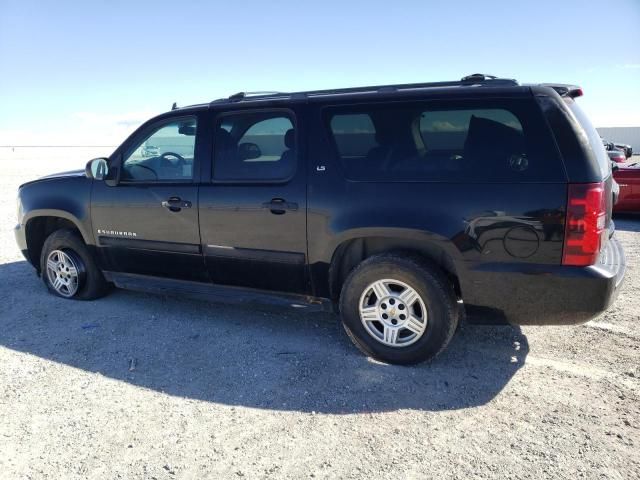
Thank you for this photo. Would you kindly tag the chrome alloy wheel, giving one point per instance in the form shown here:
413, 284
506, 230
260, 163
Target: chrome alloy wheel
63, 273
393, 313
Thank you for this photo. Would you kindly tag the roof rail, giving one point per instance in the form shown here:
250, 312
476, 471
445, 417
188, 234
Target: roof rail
243, 95
477, 79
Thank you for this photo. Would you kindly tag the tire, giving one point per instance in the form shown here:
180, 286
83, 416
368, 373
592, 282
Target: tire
434, 313
68, 251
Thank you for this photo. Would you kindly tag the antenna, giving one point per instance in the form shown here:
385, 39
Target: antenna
174, 106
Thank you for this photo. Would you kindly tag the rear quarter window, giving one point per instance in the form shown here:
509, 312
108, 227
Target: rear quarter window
595, 142
470, 141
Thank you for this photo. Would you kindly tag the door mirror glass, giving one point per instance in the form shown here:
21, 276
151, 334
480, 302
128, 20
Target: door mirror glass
97, 169
248, 151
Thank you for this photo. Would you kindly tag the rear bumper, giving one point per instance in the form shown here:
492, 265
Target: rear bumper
544, 294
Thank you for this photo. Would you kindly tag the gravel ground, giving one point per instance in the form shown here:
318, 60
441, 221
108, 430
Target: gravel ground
142, 386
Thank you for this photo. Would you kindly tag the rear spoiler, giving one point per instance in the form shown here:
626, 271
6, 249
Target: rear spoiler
565, 90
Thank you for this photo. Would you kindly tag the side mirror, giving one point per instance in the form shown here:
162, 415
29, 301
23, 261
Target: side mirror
248, 151
97, 169
614, 166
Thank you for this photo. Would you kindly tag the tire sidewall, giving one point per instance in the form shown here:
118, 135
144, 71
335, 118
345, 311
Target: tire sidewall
434, 294
91, 282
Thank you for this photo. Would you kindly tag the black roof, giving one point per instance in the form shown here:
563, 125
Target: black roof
475, 80
490, 83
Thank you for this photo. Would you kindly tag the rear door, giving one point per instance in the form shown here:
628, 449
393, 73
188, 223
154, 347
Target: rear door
253, 203
148, 223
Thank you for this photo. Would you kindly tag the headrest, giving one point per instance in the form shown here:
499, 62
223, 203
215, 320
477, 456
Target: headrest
222, 135
290, 138
490, 136
384, 137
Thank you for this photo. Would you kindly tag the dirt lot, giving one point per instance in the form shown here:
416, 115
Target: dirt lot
141, 386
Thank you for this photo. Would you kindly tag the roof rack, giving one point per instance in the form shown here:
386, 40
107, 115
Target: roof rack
476, 79
243, 95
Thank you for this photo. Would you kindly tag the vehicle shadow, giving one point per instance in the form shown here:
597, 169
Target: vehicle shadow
627, 222
280, 359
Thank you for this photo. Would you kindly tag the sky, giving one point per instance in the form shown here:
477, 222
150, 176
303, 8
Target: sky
88, 73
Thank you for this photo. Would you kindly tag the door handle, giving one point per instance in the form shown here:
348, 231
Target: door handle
175, 204
279, 206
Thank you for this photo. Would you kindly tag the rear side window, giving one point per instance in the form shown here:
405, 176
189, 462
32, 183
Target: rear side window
490, 141
448, 129
254, 146
354, 134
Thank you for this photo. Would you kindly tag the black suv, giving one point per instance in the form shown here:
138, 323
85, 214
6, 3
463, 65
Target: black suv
403, 207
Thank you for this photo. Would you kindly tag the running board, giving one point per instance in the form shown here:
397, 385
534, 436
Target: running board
215, 293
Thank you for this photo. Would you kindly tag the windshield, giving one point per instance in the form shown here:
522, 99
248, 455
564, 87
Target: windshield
594, 138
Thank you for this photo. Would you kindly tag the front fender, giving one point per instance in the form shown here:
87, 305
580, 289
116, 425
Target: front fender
68, 198
51, 212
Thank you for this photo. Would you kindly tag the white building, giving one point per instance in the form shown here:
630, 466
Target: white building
627, 135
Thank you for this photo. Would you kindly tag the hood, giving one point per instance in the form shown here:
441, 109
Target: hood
54, 176
70, 173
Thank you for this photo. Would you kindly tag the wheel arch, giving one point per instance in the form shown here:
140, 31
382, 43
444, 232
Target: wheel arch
350, 253
39, 225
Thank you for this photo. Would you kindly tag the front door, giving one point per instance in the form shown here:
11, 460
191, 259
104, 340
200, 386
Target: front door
148, 223
253, 209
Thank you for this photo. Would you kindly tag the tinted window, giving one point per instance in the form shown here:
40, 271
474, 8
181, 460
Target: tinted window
448, 129
165, 155
354, 134
594, 138
254, 146
471, 141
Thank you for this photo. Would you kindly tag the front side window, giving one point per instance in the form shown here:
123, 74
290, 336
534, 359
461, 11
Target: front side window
255, 146
470, 142
165, 155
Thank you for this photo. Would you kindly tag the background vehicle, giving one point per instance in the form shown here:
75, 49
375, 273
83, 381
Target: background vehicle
617, 152
627, 149
617, 155
628, 178
149, 151
390, 204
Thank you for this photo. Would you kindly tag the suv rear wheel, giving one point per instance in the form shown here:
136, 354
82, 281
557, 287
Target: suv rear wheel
68, 268
398, 309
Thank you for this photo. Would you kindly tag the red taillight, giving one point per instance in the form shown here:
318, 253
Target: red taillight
585, 224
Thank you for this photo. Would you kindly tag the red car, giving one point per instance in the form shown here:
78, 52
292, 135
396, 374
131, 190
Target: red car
617, 156
628, 177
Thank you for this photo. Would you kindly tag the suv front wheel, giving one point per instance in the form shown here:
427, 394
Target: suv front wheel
68, 268
398, 309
